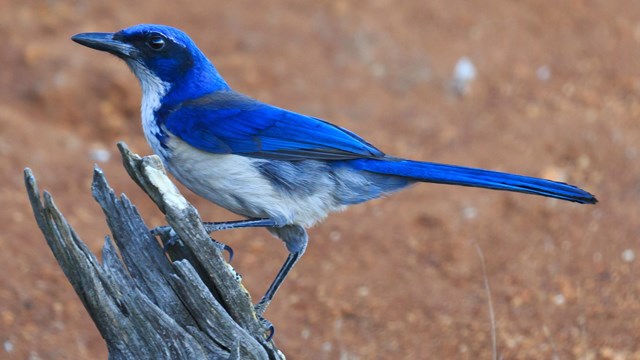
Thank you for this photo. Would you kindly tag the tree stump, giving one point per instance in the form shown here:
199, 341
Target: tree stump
187, 304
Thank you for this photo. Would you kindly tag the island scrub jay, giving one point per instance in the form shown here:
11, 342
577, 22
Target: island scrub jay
283, 170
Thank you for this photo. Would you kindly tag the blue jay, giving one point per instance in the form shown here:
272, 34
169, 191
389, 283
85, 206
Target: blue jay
280, 169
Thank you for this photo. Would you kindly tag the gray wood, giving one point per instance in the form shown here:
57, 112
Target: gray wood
147, 305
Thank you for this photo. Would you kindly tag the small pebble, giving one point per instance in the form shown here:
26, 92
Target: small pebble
559, 299
463, 74
8, 346
327, 346
363, 291
543, 73
100, 155
628, 255
469, 213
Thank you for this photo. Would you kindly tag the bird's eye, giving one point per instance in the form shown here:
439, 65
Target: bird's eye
156, 43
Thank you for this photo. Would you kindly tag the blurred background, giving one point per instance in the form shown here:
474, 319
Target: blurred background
549, 89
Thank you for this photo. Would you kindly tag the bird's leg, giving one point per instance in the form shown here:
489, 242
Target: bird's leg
292, 259
296, 239
261, 306
169, 237
227, 225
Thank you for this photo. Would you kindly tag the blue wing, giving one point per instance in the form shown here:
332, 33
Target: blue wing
227, 122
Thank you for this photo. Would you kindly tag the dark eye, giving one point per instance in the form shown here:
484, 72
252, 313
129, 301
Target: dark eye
156, 43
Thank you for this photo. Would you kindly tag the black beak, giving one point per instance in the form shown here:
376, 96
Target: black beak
104, 42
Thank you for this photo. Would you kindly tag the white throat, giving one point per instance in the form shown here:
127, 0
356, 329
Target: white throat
153, 90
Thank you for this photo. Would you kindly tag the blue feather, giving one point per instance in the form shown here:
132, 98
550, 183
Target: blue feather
466, 176
226, 122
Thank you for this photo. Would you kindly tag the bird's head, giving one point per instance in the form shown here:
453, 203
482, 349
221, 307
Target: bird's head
158, 53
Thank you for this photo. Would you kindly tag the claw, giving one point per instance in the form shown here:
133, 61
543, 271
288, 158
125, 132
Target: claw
173, 240
224, 247
229, 250
165, 232
269, 326
259, 308
161, 230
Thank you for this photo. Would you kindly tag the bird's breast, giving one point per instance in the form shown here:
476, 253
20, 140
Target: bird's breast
240, 184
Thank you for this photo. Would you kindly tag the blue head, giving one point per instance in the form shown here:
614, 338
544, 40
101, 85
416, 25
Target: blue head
160, 56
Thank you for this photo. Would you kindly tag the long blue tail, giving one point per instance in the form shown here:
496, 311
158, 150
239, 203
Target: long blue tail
465, 176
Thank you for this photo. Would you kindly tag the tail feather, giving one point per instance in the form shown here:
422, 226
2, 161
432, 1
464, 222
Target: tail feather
465, 176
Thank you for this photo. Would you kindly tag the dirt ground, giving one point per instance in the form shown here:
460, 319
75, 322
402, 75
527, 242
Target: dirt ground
557, 95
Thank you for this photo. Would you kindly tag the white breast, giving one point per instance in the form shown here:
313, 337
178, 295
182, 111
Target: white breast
235, 183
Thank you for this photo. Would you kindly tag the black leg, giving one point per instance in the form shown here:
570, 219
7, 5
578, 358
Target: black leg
292, 259
295, 238
227, 225
261, 306
170, 237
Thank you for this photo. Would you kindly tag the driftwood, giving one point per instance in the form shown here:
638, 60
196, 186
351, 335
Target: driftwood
146, 305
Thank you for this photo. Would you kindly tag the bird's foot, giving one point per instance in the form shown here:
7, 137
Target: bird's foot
165, 230
167, 235
270, 330
260, 308
170, 238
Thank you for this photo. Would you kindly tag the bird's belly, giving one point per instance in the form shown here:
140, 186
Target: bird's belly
235, 183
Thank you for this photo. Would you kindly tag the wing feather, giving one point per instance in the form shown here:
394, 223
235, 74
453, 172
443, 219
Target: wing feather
231, 123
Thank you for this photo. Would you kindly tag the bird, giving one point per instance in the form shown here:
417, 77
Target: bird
277, 168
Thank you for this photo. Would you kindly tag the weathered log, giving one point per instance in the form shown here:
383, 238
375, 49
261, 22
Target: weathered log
189, 304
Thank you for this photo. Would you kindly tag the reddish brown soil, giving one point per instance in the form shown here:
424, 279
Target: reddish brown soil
398, 277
